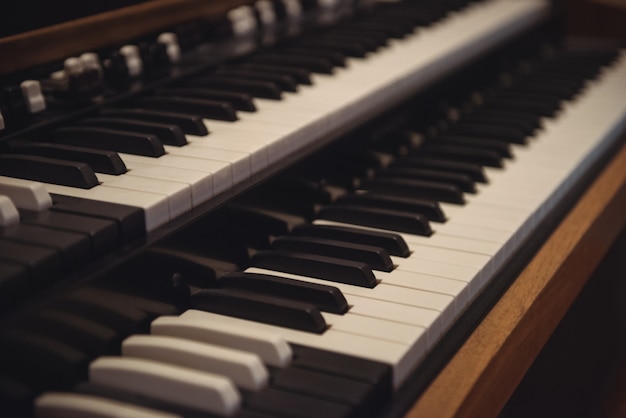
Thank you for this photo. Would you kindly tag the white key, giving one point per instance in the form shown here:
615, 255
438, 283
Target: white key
442, 305
156, 208
26, 194
203, 391
257, 151
8, 212
273, 349
245, 369
200, 184
239, 161
462, 258
400, 356
74, 405
217, 172
177, 195
375, 328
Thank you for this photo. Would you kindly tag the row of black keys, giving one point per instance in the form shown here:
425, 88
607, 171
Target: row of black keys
51, 349
252, 237
70, 156
304, 263
401, 197
47, 245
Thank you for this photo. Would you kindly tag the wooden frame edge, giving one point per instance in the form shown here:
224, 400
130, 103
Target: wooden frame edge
56, 42
484, 373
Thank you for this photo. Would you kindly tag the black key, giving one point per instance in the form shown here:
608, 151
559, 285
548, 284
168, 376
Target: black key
324, 386
210, 109
464, 154
74, 248
251, 218
188, 123
336, 58
284, 82
351, 367
501, 133
430, 209
262, 308
167, 133
377, 258
345, 46
423, 189
392, 220
285, 404
102, 232
14, 283
101, 161
475, 171
326, 298
311, 265
530, 122
389, 30
112, 139
152, 307
375, 378
44, 264
376, 39
162, 262
83, 334
123, 319
130, 220
262, 89
462, 181
42, 362
525, 126
394, 244
502, 148
239, 101
535, 107
315, 65
300, 75
48, 170
338, 40
229, 252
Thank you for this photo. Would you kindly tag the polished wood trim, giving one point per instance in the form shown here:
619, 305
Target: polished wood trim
483, 374
56, 42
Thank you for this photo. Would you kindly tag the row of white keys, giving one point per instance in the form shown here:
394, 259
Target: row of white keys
235, 151
245, 368
400, 356
281, 128
206, 392
371, 84
155, 207
185, 371
429, 310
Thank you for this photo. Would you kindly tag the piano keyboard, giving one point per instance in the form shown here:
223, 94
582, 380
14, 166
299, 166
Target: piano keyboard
325, 334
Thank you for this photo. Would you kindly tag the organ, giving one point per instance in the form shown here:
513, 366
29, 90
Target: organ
297, 208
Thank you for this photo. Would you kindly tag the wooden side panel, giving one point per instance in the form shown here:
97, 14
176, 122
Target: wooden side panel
483, 374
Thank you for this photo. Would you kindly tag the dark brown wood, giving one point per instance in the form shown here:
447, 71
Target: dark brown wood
56, 42
483, 374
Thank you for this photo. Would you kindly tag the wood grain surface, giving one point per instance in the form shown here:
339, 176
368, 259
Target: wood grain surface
56, 42
481, 377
